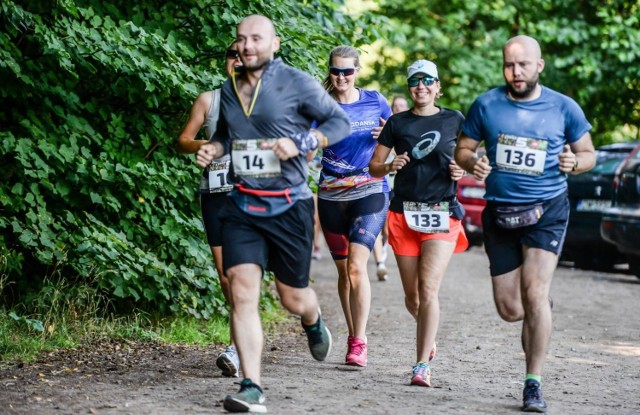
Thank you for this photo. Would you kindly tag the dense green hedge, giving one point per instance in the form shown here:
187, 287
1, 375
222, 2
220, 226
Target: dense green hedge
94, 95
591, 49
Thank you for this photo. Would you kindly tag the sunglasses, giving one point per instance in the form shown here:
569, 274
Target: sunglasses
333, 70
426, 81
232, 54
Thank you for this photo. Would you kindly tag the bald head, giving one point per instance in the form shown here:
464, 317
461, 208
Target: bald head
257, 42
522, 65
259, 23
525, 44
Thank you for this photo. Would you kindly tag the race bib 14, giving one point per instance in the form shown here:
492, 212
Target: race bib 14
255, 158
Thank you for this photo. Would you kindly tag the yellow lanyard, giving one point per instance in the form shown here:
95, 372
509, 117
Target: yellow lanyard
247, 112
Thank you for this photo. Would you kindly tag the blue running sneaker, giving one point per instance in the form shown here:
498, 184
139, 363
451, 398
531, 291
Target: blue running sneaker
250, 398
532, 400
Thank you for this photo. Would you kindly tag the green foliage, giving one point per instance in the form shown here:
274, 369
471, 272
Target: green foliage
591, 49
30, 323
94, 95
22, 340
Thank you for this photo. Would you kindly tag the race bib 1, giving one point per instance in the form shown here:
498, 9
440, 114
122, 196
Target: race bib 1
521, 154
427, 217
218, 172
255, 158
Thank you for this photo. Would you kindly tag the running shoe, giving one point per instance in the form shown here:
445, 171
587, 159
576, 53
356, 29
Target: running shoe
229, 362
385, 252
421, 375
432, 354
316, 253
356, 352
382, 272
349, 342
319, 338
249, 398
532, 400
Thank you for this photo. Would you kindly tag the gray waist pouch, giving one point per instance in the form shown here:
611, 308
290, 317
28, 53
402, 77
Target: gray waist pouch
513, 217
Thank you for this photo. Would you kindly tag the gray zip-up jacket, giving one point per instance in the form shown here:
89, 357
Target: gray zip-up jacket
287, 102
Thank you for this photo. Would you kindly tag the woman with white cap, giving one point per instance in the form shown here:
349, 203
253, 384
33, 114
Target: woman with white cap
424, 215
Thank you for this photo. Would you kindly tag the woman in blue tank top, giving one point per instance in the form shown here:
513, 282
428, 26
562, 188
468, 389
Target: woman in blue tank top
352, 205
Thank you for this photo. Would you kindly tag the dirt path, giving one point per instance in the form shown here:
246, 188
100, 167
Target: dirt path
593, 365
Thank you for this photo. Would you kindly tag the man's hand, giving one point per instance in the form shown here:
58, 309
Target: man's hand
456, 171
208, 152
481, 168
567, 159
285, 148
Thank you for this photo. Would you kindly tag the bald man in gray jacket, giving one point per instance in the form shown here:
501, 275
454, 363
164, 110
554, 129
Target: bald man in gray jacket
267, 112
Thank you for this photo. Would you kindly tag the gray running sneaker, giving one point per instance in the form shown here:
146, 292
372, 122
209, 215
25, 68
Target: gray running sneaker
229, 362
532, 400
249, 398
319, 338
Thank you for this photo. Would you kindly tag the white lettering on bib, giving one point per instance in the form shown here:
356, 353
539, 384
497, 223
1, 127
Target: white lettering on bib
255, 158
521, 154
426, 217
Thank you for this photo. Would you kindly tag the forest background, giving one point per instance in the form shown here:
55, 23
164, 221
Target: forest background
100, 214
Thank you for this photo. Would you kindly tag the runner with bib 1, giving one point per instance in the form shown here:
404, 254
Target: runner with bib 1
218, 173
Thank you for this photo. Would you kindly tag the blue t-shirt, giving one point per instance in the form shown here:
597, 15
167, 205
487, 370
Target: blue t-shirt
523, 141
354, 153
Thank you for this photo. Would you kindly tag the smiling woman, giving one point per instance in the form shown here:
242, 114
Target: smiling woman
424, 216
352, 205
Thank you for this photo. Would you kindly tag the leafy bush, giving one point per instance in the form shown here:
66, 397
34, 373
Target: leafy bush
94, 95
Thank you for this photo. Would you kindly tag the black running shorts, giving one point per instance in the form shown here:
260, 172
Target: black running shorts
281, 244
504, 246
210, 206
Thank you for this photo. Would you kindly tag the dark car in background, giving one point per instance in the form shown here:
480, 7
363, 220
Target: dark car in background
590, 193
621, 223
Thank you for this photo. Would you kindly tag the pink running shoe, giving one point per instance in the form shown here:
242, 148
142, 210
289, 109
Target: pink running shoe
356, 352
421, 375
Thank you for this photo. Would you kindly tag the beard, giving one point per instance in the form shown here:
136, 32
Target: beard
257, 65
530, 86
